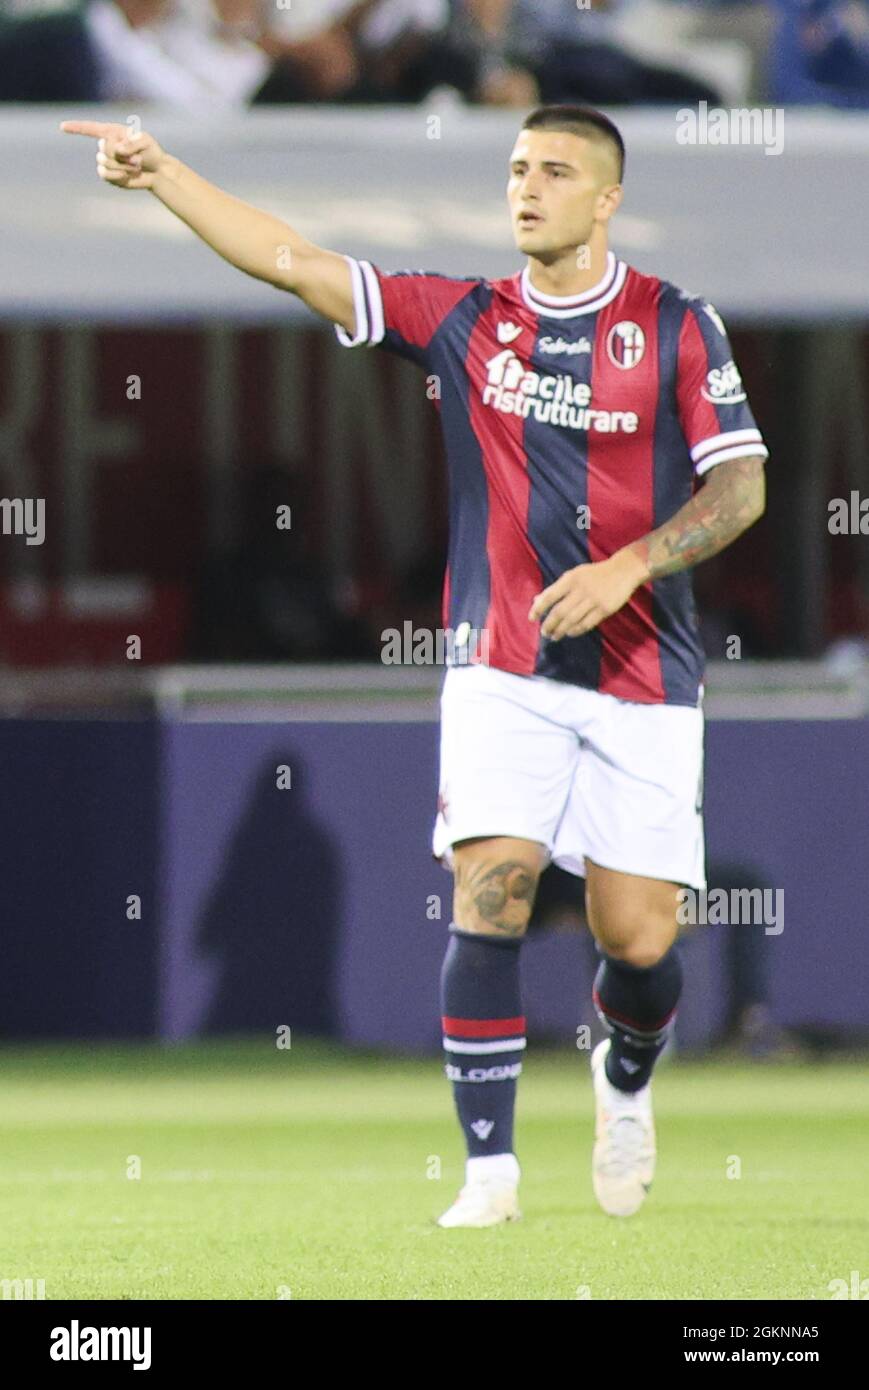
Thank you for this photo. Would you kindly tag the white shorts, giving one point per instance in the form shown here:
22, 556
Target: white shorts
583, 773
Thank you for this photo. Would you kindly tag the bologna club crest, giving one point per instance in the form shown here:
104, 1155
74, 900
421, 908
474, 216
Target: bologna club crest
625, 344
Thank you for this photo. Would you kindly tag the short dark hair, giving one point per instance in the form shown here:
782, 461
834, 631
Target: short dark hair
579, 120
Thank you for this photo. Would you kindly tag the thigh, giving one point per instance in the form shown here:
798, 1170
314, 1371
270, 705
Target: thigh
635, 806
496, 882
506, 763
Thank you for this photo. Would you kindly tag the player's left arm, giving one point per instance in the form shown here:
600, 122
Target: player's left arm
731, 499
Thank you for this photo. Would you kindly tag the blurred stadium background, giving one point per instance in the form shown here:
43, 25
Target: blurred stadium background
158, 887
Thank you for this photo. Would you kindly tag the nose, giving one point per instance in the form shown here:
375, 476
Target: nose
529, 188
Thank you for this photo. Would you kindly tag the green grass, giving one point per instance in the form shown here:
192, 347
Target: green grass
303, 1173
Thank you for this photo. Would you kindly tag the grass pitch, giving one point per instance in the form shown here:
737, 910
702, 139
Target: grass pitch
311, 1173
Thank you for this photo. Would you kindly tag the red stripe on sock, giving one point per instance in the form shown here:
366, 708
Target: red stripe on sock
630, 1022
483, 1027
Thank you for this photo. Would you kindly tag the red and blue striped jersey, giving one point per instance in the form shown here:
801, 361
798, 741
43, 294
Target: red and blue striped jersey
573, 426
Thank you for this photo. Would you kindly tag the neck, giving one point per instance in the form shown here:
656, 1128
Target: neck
570, 274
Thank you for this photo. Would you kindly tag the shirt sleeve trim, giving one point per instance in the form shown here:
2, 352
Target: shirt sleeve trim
367, 307
736, 451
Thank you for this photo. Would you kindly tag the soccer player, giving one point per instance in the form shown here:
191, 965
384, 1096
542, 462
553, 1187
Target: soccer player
599, 444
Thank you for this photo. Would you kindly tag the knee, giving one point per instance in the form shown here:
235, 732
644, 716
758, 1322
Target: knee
495, 887
641, 940
641, 952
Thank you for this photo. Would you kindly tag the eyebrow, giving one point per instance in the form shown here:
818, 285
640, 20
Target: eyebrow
548, 164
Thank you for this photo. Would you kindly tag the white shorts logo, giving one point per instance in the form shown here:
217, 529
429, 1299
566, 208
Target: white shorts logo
626, 344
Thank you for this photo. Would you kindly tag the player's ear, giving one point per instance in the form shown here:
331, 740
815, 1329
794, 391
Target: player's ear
608, 201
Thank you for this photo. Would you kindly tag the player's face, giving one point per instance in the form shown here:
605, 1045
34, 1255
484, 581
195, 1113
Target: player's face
560, 185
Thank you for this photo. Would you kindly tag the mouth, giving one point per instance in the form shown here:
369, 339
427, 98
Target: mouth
527, 220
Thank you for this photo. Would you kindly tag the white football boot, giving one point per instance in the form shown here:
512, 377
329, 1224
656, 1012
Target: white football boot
623, 1162
490, 1194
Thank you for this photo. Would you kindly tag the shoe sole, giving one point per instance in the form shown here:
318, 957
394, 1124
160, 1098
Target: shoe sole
478, 1225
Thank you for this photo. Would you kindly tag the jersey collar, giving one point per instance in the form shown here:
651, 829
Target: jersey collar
560, 306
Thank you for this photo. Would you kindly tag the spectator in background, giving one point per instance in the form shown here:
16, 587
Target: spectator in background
568, 54
177, 53
510, 53
52, 57
201, 55
484, 30
820, 55
365, 51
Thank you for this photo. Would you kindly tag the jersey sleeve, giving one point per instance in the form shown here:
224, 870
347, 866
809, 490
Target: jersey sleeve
714, 413
401, 310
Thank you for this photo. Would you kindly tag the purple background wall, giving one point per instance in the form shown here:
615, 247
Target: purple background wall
312, 907
79, 811
788, 801
793, 798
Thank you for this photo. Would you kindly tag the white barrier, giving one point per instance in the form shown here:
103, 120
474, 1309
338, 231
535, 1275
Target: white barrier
767, 237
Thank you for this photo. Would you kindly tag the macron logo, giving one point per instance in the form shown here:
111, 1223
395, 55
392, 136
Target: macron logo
483, 1128
508, 332
630, 1067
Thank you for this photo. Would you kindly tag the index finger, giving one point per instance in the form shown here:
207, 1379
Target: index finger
99, 129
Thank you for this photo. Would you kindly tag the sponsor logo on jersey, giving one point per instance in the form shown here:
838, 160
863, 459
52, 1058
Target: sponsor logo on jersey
514, 389
508, 332
626, 344
723, 385
552, 346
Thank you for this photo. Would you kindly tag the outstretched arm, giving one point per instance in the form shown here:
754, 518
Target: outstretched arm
731, 500
249, 239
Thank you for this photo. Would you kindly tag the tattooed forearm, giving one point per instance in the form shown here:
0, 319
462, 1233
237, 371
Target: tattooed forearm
501, 894
728, 503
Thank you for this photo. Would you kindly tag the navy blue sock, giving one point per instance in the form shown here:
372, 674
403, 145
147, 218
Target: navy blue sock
637, 1004
484, 1036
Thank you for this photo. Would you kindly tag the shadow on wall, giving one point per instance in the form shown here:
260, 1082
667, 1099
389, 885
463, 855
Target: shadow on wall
272, 919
